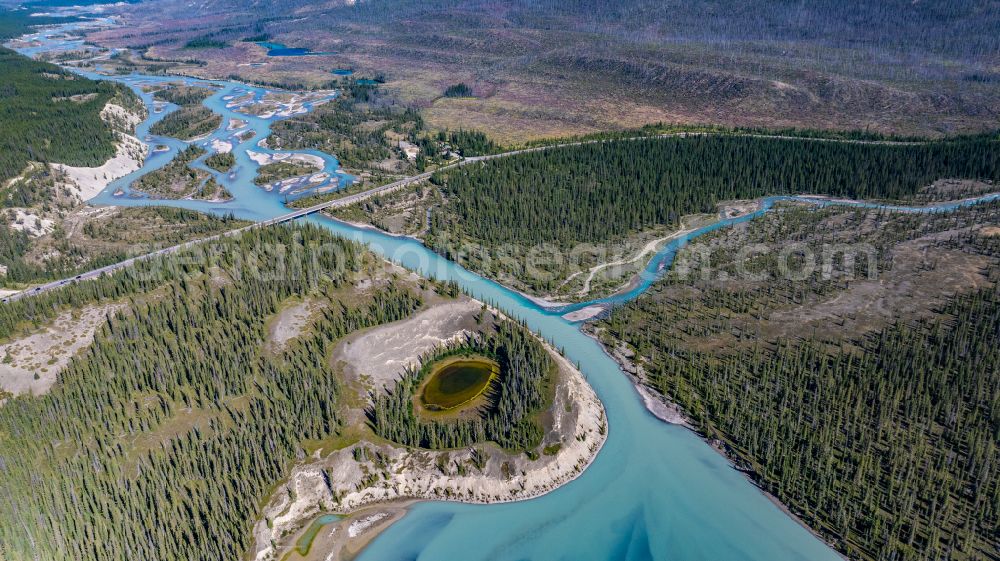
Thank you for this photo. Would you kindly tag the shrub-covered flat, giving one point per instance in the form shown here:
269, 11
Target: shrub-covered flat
548, 68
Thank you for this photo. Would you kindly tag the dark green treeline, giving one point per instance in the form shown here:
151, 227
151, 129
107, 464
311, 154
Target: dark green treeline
603, 192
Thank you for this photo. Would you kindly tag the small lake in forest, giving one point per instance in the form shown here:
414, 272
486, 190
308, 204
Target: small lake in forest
454, 382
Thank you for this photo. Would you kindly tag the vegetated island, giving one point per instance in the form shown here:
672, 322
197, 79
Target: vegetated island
483, 412
192, 120
178, 180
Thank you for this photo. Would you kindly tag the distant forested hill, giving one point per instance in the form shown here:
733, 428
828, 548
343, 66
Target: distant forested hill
51, 115
896, 26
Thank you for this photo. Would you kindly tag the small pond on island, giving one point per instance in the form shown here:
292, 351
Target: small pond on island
454, 382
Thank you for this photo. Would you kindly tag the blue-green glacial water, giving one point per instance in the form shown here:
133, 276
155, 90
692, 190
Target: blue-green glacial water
279, 49
656, 491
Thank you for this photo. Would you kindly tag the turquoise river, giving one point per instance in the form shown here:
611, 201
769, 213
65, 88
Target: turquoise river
656, 491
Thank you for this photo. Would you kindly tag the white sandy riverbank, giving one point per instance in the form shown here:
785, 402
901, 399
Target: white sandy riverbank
130, 153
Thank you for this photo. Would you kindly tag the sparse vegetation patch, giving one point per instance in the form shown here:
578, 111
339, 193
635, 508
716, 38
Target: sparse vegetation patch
458, 90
